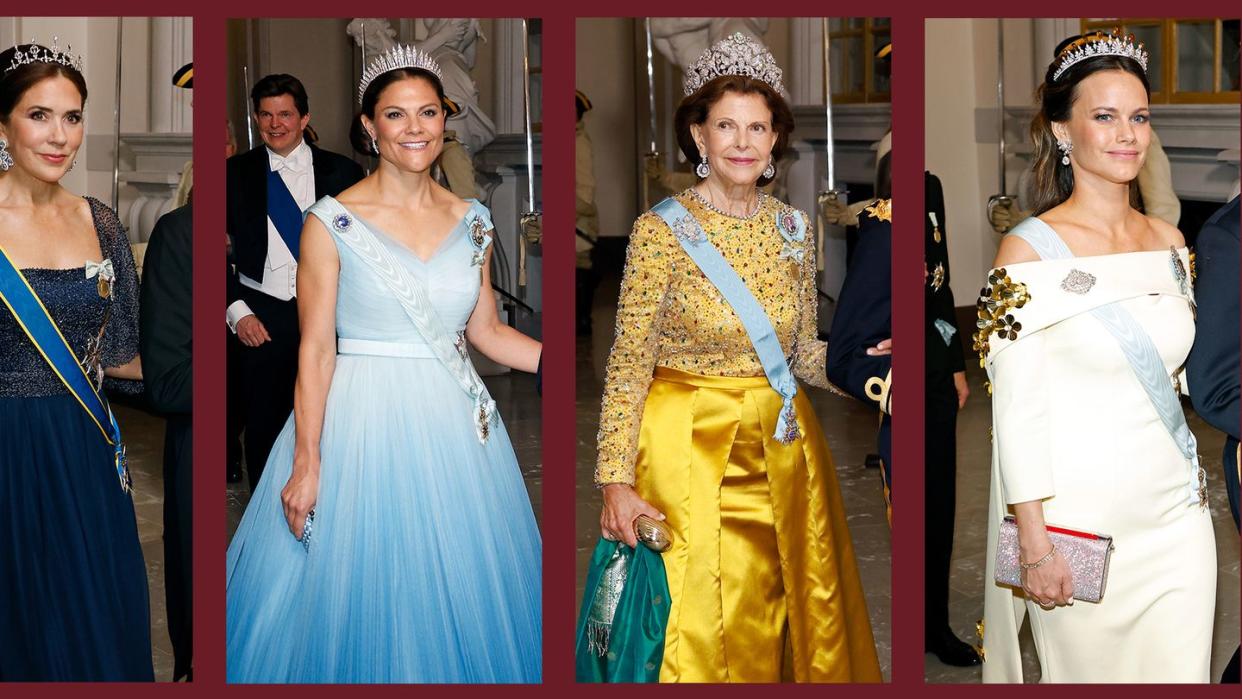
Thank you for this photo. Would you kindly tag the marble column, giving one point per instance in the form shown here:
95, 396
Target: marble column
507, 111
171, 46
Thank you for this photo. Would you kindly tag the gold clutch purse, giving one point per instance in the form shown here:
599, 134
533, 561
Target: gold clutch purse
653, 533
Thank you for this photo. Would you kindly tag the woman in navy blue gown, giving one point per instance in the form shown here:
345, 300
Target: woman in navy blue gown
73, 585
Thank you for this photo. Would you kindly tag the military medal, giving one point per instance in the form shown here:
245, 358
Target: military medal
104, 274
1179, 271
935, 226
787, 225
478, 236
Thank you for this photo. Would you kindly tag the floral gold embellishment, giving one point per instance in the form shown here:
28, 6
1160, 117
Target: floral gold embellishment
1078, 282
882, 209
996, 301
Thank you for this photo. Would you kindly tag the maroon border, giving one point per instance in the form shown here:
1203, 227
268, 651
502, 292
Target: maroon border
559, 415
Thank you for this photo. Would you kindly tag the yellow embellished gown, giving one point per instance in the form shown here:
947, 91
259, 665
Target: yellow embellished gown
762, 573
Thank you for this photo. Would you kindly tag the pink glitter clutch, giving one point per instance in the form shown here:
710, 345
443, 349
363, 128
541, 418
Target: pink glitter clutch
1086, 553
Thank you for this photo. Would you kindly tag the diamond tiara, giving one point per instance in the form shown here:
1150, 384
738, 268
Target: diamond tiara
1101, 44
397, 57
737, 54
44, 54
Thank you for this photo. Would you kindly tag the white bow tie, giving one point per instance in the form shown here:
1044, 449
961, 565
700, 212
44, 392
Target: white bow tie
293, 163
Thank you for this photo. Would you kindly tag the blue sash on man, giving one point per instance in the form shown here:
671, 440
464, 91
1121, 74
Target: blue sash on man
33, 317
752, 315
284, 211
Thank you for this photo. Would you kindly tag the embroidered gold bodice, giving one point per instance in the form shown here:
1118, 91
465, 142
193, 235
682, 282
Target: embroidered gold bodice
670, 315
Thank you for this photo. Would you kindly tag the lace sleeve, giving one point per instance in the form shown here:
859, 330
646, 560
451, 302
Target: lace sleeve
120, 338
644, 287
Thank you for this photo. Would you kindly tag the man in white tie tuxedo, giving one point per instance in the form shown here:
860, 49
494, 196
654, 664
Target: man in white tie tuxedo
268, 188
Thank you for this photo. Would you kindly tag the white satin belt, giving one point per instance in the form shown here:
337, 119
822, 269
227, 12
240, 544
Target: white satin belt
376, 348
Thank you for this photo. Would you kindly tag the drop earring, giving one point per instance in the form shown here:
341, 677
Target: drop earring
703, 170
6, 160
770, 171
1066, 148
374, 145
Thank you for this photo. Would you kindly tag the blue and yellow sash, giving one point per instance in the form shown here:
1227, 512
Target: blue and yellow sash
735, 292
36, 321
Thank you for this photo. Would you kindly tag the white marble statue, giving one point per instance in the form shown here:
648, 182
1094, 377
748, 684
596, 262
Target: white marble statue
681, 40
452, 43
374, 34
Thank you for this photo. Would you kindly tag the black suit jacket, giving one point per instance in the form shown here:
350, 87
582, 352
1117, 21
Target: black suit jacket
1212, 367
166, 342
864, 317
246, 199
864, 313
940, 356
165, 314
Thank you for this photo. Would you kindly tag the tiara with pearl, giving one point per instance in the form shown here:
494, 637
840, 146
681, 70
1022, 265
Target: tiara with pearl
395, 58
44, 54
1101, 44
736, 54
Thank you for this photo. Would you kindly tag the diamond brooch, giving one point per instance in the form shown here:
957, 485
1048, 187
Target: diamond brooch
1078, 282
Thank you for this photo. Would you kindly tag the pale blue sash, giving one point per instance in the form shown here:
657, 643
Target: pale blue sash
762, 335
448, 347
1138, 348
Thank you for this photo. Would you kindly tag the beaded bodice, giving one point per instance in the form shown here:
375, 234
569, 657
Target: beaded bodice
81, 313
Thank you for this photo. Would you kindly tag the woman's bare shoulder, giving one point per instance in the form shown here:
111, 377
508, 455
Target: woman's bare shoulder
1014, 250
1166, 232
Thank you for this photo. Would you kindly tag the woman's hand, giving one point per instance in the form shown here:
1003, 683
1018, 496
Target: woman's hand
299, 496
621, 507
1050, 584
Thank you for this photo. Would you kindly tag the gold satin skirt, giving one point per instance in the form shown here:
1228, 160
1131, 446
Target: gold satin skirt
762, 574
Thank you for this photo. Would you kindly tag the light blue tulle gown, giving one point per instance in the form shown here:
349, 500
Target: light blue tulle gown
424, 558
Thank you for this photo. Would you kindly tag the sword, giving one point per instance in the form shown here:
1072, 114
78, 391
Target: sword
116, 120
831, 146
833, 192
246, 100
1001, 199
650, 87
652, 153
531, 219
